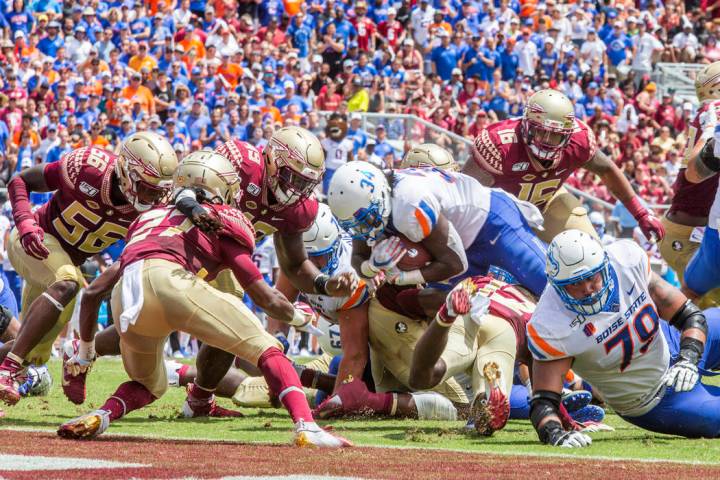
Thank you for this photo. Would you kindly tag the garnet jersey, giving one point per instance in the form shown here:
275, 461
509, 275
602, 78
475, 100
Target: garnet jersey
622, 350
81, 214
513, 304
167, 234
330, 306
500, 151
696, 198
250, 167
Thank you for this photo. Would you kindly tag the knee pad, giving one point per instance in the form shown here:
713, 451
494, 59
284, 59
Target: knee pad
433, 406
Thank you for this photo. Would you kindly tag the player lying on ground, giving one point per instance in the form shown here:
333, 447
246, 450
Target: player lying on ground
532, 157
602, 317
97, 195
465, 226
162, 290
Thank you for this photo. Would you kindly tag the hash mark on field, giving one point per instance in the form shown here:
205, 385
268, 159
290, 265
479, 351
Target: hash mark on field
14, 463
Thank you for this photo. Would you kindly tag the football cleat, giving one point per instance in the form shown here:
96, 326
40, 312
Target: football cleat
74, 374
575, 400
10, 386
588, 413
311, 435
85, 426
490, 410
205, 407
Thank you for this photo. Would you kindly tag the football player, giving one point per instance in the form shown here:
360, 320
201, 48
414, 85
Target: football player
161, 289
97, 195
687, 216
602, 317
531, 157
465, 226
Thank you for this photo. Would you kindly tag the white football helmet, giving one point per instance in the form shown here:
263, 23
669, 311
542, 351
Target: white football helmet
574, 256
359, 197
330, 342
323, 238
145, 166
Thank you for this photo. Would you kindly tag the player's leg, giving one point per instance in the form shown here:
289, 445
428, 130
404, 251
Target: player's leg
223, 321
508, 242
563, 212
690, 414
702, 273
52, 285
213, 365
677, 248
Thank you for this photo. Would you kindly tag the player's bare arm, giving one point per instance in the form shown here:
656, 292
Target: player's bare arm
354, 334
547, 379
446, 261
703, 163
620, 187
305, 276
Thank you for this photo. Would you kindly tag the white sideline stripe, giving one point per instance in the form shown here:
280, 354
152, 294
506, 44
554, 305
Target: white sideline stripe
406, 447
291, 477
34, 462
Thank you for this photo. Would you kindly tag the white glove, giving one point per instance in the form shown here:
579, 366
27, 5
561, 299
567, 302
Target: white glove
386, 254
479, 307
573, 440
682, 376
303, 321
76, 365
399, 277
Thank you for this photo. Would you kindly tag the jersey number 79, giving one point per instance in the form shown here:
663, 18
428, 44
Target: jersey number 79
645, 325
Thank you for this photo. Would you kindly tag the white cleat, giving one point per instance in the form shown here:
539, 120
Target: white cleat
311, 435
85, 426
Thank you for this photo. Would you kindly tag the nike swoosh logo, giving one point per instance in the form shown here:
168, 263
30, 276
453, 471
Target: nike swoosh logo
559, 172
632, 289
494, 241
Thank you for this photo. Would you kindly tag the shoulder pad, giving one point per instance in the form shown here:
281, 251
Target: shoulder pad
589, 142
487, 152
628, 254
91, 161
240, 153
236, 225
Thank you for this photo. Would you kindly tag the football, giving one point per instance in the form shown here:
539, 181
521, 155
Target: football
416, 257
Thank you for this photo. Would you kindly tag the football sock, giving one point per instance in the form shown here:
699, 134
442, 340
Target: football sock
182, 375
284, 382
128, 397
381, 402
196, 392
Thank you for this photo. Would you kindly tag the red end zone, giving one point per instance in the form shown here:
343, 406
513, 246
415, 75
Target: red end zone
126, 457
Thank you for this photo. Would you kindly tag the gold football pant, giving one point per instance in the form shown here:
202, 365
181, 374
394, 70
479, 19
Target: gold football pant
38, 276
175, 299
253, 392
564, 211
392, 343
677, 250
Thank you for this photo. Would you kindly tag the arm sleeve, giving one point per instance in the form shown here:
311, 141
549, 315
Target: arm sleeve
239, 259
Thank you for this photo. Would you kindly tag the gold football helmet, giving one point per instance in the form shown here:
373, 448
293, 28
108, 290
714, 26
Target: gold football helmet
210, 173
295, 163
707, 83
429, 155
145, 166
547, 125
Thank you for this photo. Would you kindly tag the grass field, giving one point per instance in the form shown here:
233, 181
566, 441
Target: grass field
161, 420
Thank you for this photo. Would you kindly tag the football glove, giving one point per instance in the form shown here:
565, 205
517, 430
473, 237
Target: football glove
385, 255
682, 376
31, 239
573, 439
303, 319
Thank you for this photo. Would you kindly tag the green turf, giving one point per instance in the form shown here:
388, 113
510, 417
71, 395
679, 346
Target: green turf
161, 420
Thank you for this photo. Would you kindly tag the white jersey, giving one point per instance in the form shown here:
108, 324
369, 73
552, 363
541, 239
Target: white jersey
702, 128
328, 306
264, 256
421, 195
622, 352
336, 153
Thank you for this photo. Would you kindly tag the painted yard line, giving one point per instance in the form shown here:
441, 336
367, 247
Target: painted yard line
14, 463
291, 477
406, 447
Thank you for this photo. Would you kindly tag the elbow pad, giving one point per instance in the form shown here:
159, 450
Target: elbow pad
689, 316
707, 156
